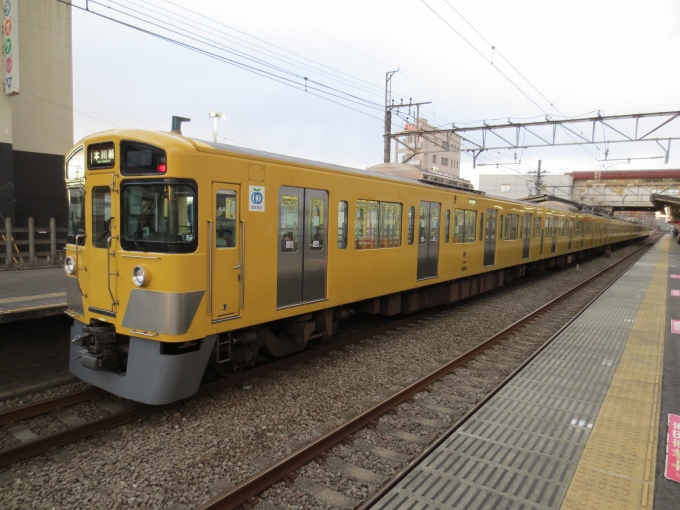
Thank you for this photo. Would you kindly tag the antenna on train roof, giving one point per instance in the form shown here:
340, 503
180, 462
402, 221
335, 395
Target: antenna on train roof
177, 124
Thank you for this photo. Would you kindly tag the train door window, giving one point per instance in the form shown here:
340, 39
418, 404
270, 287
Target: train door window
411, 223
225, 219
390, 225
101, 216
511, 226
500, 233
447, 226
366, 225
288, 233
422, 225
458, 225
470, 225
343, 217
481, 226
434, 223
316, 216
537, 227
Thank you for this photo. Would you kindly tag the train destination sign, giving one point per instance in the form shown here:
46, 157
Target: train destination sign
101, 155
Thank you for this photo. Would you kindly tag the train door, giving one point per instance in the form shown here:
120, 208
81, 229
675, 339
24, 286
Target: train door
490, 237
302, 246
543, 233
102, 246
527, 236
428, 240
555, 225
571, 233
226, 245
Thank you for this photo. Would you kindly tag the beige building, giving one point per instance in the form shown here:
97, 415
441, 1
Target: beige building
439, 152
36, 123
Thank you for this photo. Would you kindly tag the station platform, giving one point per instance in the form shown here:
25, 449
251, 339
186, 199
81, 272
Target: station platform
584, 425
27, 294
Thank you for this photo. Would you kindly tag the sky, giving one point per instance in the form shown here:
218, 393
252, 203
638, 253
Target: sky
248, 59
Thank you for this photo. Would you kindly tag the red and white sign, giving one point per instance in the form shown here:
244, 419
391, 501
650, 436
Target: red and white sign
410, 127
675, 292
673, 448
675, 326
675, 276
10, 45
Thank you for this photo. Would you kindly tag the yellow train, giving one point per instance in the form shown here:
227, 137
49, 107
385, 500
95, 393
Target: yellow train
186, 256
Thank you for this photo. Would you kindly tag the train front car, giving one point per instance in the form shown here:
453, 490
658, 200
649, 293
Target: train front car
133, 288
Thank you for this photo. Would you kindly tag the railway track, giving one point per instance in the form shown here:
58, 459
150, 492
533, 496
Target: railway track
117, 415
412, 419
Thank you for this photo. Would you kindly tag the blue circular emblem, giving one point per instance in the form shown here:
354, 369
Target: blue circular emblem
256, 197
7, 8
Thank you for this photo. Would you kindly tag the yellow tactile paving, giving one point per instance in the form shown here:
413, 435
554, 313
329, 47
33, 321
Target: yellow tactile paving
617, 466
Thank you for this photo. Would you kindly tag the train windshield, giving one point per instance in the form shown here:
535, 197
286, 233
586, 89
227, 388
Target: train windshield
159, 217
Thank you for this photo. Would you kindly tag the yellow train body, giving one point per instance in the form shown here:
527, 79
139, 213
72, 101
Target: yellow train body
214, 283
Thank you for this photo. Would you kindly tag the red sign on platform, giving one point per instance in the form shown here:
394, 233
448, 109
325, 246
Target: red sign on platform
675, 326
675, 292
675, 276
673, 448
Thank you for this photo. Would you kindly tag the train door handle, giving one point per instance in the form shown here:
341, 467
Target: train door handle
237, 266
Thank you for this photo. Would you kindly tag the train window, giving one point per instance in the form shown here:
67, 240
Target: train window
537, 228
316, 223
142, 159
366, 225
422, 225
411, 223
225, 219
159, 216
390, 225
447, 226
481, 224
434, 223
76, 214
500, 222
464, 225
101, 216
343, 218
288, 232
511, 226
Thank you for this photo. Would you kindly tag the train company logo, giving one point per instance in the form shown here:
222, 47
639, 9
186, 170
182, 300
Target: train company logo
256, 198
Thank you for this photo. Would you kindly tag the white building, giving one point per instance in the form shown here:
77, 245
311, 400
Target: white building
439, 152
518, 186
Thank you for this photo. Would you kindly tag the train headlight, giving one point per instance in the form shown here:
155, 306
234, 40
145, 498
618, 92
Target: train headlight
141, 276
69, 265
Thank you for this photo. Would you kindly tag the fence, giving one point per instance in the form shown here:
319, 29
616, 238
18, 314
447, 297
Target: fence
15, 240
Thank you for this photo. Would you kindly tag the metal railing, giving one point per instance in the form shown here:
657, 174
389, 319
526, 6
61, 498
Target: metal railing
15, 241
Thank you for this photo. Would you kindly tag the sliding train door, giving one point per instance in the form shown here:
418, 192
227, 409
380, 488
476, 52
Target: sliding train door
490, 237
302, 247
428, 240
526, 246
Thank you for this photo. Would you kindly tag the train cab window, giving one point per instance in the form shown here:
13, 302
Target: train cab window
76, 214
537, 228
447, 226
366, 225
159, 216
316, 223
290, 212
101, 216
411, 223
511, 227
225, 219
343, 218
390, 225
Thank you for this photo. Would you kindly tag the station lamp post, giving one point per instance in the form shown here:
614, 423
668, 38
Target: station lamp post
214, 116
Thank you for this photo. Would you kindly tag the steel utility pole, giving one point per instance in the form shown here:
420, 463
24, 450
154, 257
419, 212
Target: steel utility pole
538, 183
388, 116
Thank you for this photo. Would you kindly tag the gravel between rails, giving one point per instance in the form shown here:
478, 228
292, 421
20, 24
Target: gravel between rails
180, 458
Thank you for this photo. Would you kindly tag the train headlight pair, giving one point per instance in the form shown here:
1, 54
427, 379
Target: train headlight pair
69, 265
141, 276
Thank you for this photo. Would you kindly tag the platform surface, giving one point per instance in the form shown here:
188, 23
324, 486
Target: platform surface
27, 294
581, 425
